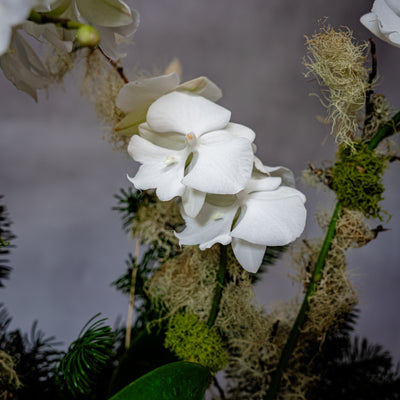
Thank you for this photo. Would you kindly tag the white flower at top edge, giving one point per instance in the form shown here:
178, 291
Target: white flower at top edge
113, 19
135, 98
384, 21
265, 213
189, 148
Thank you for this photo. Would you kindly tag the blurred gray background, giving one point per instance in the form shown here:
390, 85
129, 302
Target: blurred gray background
59, 177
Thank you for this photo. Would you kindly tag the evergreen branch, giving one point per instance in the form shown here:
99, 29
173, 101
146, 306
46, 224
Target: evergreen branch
87, 356
6, 236
219, 286
390, 128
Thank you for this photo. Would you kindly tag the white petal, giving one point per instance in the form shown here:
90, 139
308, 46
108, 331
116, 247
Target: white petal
262, 184
169, 140
57, 36
12, 12
162, 168
186, 113
239, 130
110, 38
203, 87
248, 254
23, 67
284, 173
192, 201
273, 218
212, 225
389, 21
105, 12
141, 93
223, 164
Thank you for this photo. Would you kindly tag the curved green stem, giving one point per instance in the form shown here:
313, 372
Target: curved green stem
390, 128
219, 286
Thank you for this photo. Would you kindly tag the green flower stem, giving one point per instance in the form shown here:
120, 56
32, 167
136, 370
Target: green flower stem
305, 306
390, 128
39, 18
219, 286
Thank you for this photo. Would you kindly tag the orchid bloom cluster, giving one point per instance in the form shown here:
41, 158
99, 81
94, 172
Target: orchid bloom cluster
113, 19
189, 149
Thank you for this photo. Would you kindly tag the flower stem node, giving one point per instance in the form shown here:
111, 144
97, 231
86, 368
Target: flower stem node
88, 36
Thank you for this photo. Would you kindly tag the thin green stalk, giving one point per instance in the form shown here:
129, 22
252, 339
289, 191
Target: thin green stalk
305, 306
219, 286
39, 18
390, 128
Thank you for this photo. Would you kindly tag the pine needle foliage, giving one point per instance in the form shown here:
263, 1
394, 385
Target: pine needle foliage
271, 256
128, 205
87, 356
353, 369
6, 237
35, 357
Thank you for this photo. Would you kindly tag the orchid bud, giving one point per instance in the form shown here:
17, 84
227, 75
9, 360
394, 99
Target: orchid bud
88, 36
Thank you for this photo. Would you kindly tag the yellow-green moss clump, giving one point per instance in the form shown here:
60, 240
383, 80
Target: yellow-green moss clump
357, 179
193, 340
338, 63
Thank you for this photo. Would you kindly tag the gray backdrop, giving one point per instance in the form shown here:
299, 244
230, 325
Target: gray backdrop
58, 175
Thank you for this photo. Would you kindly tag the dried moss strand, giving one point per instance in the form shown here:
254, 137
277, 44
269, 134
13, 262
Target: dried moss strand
389, 129
220, 284
302, 314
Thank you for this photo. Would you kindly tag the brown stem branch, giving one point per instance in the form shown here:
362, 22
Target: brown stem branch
115, 65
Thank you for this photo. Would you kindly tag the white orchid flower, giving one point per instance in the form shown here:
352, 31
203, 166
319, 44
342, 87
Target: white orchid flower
189, 148
264, 214
113, 19
135, 98
14, 12
384, 21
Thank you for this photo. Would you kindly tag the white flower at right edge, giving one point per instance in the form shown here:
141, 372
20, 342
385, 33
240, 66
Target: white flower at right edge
384, 21
265, 213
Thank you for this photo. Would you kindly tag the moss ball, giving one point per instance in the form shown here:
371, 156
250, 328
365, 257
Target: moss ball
357, 179
193, 340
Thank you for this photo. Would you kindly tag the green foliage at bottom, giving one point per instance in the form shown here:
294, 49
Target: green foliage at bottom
176, 381
357, 179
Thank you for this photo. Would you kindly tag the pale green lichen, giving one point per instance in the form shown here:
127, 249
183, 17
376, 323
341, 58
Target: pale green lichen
338, 63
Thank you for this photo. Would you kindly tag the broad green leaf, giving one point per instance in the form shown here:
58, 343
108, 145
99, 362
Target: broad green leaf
180, 380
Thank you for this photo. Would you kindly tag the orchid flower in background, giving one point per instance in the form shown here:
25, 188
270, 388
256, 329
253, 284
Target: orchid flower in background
384, 21
265, 213
12, 13
189, 148
135, 98
113, 19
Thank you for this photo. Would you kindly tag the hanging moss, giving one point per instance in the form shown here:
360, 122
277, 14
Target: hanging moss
357, 179
193, 340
